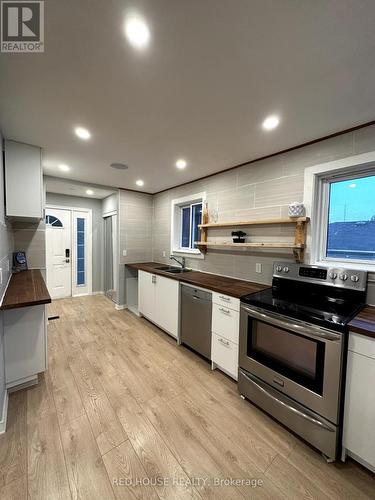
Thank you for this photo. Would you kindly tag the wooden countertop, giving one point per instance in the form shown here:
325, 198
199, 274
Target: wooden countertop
26, 288
221, 284
364, 322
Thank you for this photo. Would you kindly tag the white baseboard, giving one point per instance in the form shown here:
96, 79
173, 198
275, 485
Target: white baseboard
87, 294
120, 308
3, 421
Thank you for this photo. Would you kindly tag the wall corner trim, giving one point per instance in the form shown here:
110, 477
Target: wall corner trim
3, 421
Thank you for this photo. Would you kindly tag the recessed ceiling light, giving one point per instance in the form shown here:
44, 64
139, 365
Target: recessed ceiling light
119, 166
181, 163
352, 185
271, 122
82, 133
89, 191
139, 182
137, 32
64, 168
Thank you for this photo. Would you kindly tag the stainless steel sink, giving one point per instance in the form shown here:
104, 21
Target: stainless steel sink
172, 269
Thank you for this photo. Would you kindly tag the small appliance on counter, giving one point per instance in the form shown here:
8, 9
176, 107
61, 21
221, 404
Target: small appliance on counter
292, 349
19, 262
238, 236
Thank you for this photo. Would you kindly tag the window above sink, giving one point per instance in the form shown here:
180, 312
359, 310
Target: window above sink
186, 215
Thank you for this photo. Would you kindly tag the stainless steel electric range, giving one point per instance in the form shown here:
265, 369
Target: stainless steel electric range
292, 352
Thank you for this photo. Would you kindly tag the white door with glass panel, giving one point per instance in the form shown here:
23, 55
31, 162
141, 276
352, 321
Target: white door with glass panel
69, 252
58, 252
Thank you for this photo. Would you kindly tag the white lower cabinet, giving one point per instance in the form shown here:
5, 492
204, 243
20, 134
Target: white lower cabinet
224, 354
225, 334
359, 415
25, 344
158, 301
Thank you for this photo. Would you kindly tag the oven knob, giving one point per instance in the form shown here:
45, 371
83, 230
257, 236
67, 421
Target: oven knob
279, 269
354, 278
343, 277
333, 276
286, 269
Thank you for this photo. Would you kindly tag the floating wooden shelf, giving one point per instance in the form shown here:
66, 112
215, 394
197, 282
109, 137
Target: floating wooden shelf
259, 222
249, 245
299, 240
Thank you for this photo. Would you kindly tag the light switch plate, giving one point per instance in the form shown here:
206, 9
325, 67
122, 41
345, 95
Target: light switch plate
164, 253
124, 253
1, 276
258, 267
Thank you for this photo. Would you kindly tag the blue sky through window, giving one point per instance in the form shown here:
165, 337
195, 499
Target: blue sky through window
352, 200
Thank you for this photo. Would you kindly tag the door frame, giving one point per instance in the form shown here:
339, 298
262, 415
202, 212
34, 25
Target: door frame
87, 211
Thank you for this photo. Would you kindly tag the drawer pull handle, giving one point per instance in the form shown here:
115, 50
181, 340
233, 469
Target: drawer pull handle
225, 342
224, 298
225, 311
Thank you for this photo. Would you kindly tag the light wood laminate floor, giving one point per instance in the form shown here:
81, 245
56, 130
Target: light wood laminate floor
123, 412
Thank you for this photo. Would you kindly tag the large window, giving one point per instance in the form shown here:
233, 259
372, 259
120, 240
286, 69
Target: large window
351, 219
186, 217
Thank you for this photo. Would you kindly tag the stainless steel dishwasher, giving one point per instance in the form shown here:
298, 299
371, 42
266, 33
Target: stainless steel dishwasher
195, 319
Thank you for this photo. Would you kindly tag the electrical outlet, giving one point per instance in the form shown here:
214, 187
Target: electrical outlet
258, 267
124, 253
164, 253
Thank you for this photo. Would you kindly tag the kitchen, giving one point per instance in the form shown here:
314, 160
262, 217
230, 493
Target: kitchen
179, 317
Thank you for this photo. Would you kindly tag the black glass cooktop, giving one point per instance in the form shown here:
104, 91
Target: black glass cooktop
326, 306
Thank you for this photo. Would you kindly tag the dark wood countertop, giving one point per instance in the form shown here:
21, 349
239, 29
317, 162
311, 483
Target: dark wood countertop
221, 284
364, 322
25, 289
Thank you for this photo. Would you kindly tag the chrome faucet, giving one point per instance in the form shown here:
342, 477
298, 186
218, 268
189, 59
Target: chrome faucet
182, 263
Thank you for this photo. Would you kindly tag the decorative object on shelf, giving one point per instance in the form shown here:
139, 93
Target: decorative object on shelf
298, 246
296, 209
238, 236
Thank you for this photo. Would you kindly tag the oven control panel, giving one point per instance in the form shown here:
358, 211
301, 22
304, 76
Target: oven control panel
340, 277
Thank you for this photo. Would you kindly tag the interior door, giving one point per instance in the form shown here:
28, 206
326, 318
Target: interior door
58, 249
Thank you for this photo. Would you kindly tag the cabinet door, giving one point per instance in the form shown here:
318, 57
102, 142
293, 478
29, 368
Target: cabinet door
24, 343
23, 180
146, 294
359, 429
167, 304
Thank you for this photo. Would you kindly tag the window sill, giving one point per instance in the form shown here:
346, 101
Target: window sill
191, 254
346, 265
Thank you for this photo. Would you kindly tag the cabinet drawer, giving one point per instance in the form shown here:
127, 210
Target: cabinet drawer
225, 355
226, 322
362, 345
226, 301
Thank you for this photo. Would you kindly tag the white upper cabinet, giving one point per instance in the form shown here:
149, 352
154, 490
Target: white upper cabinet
23, 180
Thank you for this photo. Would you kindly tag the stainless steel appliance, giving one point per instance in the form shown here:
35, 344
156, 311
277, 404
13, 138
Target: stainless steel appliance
195, 319
292, 348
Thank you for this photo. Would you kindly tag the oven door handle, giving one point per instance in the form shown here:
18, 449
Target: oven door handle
295, 326
287, 405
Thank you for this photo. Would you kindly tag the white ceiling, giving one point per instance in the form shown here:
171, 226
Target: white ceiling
213, 71
73, 188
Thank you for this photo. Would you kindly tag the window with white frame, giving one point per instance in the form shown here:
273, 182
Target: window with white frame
345, 218
186, 217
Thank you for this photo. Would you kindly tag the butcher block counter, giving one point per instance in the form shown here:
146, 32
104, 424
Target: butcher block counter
26, 288
220, 284
364, 322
